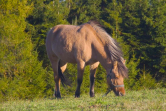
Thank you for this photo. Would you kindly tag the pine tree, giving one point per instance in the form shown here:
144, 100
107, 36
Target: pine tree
159, 36
111, 17
84, 10
143, 28
21, 74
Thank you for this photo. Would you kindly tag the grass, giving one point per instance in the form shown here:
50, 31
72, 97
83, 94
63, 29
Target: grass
153, 100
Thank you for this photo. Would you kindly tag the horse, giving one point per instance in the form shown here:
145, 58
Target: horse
86, 44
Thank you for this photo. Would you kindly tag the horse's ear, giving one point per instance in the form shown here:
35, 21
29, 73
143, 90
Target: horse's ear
124, 61
115, 64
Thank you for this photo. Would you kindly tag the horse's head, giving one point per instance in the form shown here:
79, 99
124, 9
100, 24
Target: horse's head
115, 80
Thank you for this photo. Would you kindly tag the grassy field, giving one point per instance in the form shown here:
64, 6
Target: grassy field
153, 100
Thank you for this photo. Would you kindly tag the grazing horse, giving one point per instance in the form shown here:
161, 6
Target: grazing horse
86, 44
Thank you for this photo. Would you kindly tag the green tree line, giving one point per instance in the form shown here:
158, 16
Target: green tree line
25, 71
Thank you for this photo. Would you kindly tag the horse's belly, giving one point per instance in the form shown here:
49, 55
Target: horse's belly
65, 55
68, 58
73, 56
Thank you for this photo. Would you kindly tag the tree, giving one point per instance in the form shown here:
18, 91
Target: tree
21, 74
84, 10
46, 14
143, 28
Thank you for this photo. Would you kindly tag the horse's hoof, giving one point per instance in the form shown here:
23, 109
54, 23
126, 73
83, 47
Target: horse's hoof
77, 95
92, 95
58, 95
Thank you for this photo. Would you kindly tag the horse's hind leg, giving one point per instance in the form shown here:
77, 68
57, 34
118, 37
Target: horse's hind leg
93, 68
57, 79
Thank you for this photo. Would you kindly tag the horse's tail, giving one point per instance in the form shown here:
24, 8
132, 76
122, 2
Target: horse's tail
61, 75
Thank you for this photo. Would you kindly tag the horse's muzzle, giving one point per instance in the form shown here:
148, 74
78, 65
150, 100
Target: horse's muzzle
121, 94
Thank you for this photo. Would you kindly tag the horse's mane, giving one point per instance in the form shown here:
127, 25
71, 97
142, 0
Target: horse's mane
113, 47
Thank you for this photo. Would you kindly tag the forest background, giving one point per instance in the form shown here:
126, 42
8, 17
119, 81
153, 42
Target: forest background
25, 71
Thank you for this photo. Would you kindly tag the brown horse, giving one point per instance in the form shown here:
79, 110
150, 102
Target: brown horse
86, 44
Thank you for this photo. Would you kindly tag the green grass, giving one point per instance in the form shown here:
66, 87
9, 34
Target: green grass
153, 100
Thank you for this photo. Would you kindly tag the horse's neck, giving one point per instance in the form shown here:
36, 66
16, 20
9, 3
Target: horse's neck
103, 55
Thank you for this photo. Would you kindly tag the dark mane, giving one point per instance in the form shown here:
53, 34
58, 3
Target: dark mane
113, 47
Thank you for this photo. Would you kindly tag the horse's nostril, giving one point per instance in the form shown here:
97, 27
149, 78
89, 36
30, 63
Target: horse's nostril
121, 94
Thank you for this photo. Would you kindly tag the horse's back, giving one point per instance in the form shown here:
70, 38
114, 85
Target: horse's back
71, 43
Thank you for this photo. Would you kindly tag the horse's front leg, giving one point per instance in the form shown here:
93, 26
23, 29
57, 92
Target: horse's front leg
93, 68
80, 70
